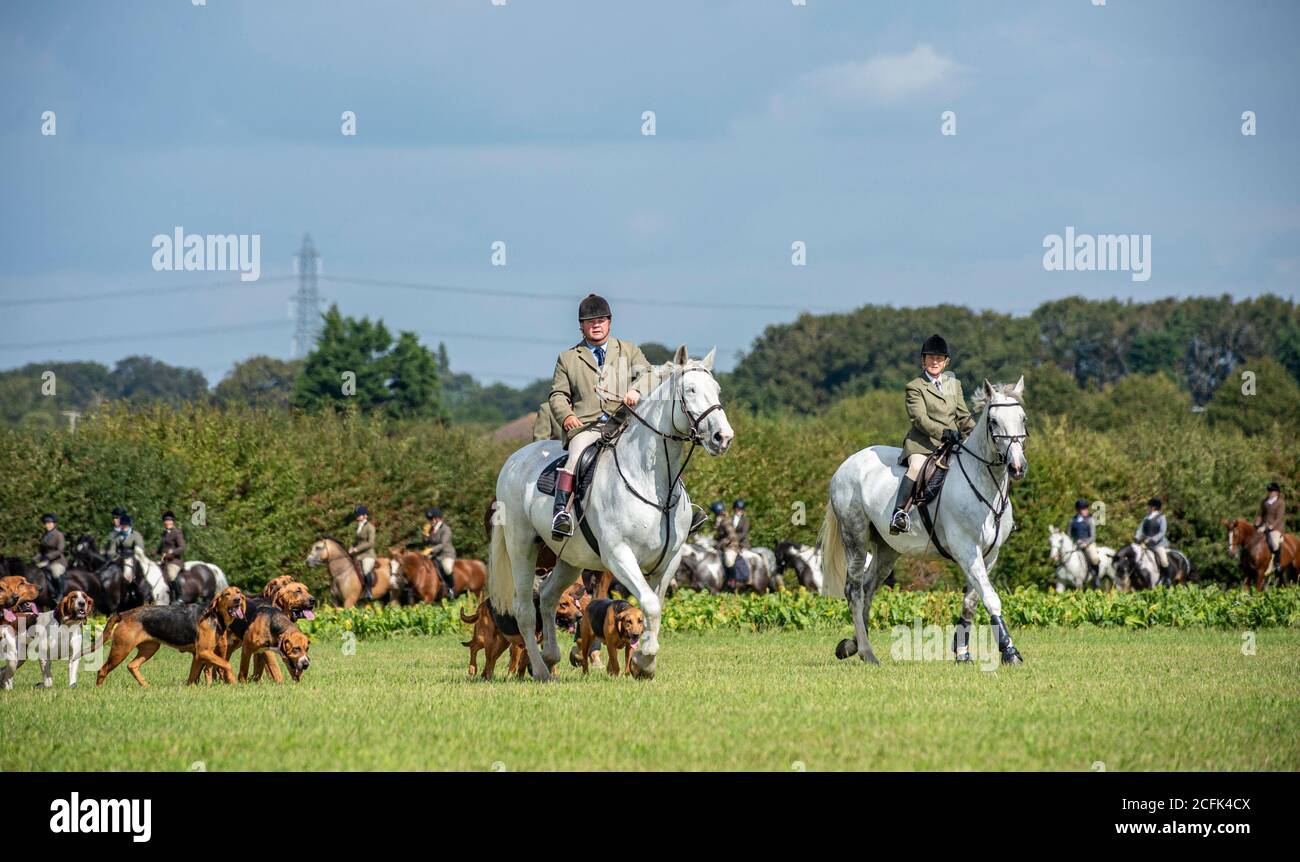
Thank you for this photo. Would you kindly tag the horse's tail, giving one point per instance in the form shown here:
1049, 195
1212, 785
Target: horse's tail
834, 565
108, 629
501, 576
218, 576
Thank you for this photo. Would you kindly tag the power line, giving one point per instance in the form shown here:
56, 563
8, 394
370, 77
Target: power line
151, 336
174, 290
181, 289
546, 297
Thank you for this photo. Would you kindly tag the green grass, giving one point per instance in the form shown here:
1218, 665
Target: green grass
1134, 700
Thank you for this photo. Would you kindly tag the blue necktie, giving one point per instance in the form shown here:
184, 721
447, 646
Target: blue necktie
600, 355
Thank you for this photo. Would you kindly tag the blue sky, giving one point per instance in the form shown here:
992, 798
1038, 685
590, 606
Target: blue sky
522, 123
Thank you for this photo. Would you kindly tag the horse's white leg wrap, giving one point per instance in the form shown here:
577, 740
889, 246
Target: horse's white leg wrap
553, 587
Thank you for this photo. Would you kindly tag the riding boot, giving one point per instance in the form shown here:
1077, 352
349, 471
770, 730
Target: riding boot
1010, 655
175, 591
1095, 571
368, 582
729, 578
699, 518
900, 523
562, 523
1164, 576
61, 587
1277, 559
447, 580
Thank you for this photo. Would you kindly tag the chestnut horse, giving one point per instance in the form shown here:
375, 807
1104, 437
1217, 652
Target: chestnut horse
1253, 554
346, 586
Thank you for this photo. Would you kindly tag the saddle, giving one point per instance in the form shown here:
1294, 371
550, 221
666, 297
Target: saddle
610, 430
929, 487
933, 473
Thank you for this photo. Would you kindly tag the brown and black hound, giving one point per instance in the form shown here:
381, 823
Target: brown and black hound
495, 631
183, 627
615, 623
271, 628
17, 614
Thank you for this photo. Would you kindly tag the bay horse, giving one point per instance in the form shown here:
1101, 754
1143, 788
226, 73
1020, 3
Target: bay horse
973, 522
198, 583
635, 508
1254, 557
346, 586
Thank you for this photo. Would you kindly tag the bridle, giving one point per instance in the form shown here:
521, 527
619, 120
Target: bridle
1003, 497
692, 435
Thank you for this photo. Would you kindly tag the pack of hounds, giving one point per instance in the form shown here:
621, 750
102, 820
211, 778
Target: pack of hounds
262, 627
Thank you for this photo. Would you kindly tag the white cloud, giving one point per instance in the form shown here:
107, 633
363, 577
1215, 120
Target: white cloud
885, 79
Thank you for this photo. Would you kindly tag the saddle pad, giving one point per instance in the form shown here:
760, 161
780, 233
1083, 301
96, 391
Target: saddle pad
546, 481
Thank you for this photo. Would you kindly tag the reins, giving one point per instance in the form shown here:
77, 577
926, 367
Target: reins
675, 484
1003, 485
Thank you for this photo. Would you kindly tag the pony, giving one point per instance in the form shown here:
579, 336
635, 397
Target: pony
1255, 559
346, 586
1072, 566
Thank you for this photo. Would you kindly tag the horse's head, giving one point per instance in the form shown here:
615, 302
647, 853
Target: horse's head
697, 409
1005, 423
1239, 532
320, 552
1056, 538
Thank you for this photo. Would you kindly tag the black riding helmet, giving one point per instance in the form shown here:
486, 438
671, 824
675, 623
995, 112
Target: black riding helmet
432, 513
739, 504
126, 520
360, 510
168, 515
593, 306
718, 507
1154, 503
935, 345
1273, 486
118, 512
1080, 504
48, 518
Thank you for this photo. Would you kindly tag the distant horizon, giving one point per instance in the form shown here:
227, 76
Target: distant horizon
725, 364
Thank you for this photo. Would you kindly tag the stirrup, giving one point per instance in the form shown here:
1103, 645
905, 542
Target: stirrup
562, 525
901, 522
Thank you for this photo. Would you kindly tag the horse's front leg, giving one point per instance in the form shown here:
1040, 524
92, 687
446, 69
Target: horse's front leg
623, 563
977, 577
553, 587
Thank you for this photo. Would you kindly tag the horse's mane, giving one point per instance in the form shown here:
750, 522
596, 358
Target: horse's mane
980, 399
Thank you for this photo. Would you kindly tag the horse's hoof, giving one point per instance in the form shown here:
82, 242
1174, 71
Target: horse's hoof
846, 648
1011, 655
870, 658
965, 658
573, 657
635, 671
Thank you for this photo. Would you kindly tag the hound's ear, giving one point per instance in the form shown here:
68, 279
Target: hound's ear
988, 388
680, 357
1051, 528
1019, 388
90, 607
707, 362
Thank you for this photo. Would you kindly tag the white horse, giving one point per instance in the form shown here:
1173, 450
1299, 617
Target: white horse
636, 507
153, 576
973, 520
1072, 565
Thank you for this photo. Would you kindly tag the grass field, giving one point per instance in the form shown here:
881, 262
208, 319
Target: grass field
1133, 700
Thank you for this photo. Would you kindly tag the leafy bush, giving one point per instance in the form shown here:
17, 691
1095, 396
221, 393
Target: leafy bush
690, 611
